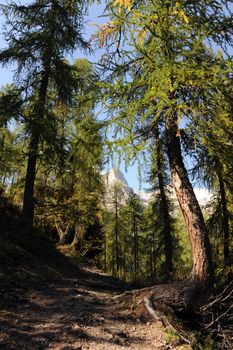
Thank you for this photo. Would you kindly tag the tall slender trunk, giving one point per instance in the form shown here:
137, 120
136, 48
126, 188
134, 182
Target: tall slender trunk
4, 180
124, 260
135, 250
202, 273
225, 219
105, 252
38, 114
78, 236
113, 260
164, 208
28, 200
116, 235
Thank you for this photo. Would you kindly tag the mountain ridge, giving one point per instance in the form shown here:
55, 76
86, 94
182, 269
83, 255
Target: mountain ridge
115, 175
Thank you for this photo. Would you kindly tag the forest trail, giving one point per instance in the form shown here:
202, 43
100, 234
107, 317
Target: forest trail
78, 314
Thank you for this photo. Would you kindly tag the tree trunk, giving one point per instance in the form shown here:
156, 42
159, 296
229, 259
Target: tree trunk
38, 114
28, 200
78, 236
105, 252
202, 272
154, 258
187, 295
62, 232
135, 248
116, 235
225, 219
164, 208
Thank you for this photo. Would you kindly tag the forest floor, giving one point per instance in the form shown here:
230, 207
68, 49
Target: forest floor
79, 313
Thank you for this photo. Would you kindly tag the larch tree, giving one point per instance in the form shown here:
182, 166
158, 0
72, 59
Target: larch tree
160, 182
211, 170
166, 45
38, 37
71, 188
214, 155
114, 227
133, 212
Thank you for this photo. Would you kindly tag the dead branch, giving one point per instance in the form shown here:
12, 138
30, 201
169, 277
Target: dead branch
133, 292
163, 319
218, 297
219, 317
151, 310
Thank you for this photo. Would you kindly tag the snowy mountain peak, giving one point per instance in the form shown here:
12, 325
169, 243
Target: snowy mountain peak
203, 196
116, 175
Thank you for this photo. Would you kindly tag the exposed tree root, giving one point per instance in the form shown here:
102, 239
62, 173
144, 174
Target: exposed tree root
162, 302
181, 297
165, 302
161, 317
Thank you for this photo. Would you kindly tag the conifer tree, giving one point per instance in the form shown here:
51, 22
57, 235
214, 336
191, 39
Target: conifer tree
116, 202
133, 212
73, 189
11, 144
38, 36
114, 228
153, 241
158, 176
210, 170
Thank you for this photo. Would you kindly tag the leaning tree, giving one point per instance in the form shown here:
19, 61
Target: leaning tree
164, 71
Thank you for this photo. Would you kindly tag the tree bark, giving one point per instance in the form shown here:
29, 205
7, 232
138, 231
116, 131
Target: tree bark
105, 252
187, 295
164, 208
78, 236
62, 232
202, 272
28, 199
116, 234
225, 219
38, 114
135, 247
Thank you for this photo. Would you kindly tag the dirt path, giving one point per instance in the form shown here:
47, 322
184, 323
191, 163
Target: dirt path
78, 314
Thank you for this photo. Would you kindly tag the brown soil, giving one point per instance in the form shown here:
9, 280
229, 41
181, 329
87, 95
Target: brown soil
79, 314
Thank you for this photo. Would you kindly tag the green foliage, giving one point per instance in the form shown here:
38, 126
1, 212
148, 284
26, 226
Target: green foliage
10, 104
165, 68
182, 248
114, 233
141, 241
69, 191
133, 246
11, 158
38, 35
169, 56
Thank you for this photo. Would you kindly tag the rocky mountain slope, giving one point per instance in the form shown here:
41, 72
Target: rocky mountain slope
115, 176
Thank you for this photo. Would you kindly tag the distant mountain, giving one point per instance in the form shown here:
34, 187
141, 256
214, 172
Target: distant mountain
116, 176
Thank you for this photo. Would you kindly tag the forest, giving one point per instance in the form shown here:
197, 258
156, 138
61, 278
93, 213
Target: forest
159, 98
